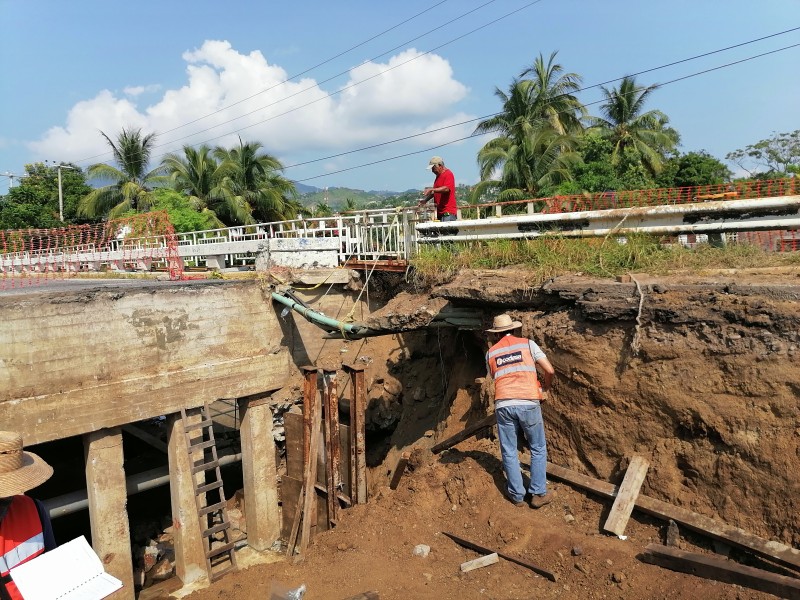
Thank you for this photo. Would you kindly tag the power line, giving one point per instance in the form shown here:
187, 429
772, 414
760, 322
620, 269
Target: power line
308, 70
331, 94
583, 89
426, 150
303, 73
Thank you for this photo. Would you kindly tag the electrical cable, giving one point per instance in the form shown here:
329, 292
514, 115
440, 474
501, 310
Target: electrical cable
170, 142
444, 144
337, 92
582, 89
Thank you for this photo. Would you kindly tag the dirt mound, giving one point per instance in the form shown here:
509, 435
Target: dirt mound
372, 548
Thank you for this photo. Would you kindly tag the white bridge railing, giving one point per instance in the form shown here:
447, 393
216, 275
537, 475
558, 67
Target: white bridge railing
394, 235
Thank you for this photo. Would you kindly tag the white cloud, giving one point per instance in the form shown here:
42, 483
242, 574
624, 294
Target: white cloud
138, 90
409, 94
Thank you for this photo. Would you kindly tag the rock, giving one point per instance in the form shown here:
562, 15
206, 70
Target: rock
673, 536
428, 576
421, 550
162, 570
342, 547
581, 568
569, 518
618, 577
577, 551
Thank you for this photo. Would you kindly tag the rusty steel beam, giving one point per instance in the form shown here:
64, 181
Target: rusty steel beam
358, 452
330, 402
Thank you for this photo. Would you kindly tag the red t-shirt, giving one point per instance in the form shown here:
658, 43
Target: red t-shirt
445, 201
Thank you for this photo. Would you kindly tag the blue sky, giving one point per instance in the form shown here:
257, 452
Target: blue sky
202, 71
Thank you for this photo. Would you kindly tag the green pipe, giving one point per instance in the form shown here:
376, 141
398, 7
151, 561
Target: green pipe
318, 318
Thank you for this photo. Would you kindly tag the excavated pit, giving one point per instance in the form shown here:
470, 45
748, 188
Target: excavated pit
702, 381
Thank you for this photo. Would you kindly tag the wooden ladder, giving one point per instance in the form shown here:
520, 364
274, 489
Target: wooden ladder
212, 516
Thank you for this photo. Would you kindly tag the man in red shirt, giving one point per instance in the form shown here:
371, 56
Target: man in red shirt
443, 191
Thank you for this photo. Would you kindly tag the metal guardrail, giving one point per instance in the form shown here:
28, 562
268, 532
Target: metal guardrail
758, 214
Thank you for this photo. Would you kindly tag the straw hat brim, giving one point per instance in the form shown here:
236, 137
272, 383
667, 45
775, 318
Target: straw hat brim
33, 472
514, 325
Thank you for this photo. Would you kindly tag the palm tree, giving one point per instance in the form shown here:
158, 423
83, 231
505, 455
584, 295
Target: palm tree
197, 174
553, 95
538, 129
253, 181
643, 136
132, 182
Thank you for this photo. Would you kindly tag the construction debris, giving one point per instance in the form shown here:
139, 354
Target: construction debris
482, 561
478, 548
722, 569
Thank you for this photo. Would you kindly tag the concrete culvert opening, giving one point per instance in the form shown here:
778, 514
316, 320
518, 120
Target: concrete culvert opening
696, 375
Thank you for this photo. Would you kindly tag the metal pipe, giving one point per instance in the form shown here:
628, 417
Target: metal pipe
72, 502
318, 318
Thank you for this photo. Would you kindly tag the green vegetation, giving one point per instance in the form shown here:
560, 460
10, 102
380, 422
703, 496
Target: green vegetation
132, 184
553, 256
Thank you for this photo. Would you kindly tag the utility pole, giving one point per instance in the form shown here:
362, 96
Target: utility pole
60, 166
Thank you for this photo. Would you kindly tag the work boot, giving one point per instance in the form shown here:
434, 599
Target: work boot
538, 501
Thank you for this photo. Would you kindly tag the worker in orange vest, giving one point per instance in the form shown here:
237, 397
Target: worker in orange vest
25, 528
512, 362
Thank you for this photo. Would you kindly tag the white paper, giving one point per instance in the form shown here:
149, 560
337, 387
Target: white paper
70, 572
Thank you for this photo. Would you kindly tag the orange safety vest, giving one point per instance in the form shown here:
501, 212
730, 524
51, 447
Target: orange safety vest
21, 539
513, 369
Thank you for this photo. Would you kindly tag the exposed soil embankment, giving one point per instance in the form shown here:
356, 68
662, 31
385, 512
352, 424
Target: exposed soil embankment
703, 381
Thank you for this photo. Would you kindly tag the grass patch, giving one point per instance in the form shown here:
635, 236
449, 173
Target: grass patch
553, 256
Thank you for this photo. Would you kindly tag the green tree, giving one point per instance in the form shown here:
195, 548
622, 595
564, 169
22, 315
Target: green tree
692, 169
252, 182
198, 175
552, 94
636, 136
778, 155
182, 213
34, 202
537, 129
131, 183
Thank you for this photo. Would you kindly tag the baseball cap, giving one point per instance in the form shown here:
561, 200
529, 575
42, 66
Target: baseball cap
435, 161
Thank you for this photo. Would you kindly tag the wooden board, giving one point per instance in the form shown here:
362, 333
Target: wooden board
734, 536
721, 569
481, 561
626, 496
293, 431
290, 492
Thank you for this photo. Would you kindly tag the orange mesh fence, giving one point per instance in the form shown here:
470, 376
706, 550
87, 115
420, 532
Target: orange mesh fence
141, 242
739, 190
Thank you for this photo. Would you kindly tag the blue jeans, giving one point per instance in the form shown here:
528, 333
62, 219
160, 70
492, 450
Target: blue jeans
528, 420
448, 218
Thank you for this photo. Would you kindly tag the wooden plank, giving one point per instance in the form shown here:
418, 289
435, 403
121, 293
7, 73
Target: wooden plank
626, 496
482, 561
734, 536
293, 431
487, 421
721, 569
483, 550
78, 411
290, 496
399, 470
310, 476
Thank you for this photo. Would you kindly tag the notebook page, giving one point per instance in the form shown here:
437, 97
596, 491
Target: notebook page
53, 574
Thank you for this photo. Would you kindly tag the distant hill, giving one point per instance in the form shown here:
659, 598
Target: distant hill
303, 189
337, 198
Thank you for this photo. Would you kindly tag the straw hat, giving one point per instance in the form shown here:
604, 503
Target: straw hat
19, 471
503, 323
